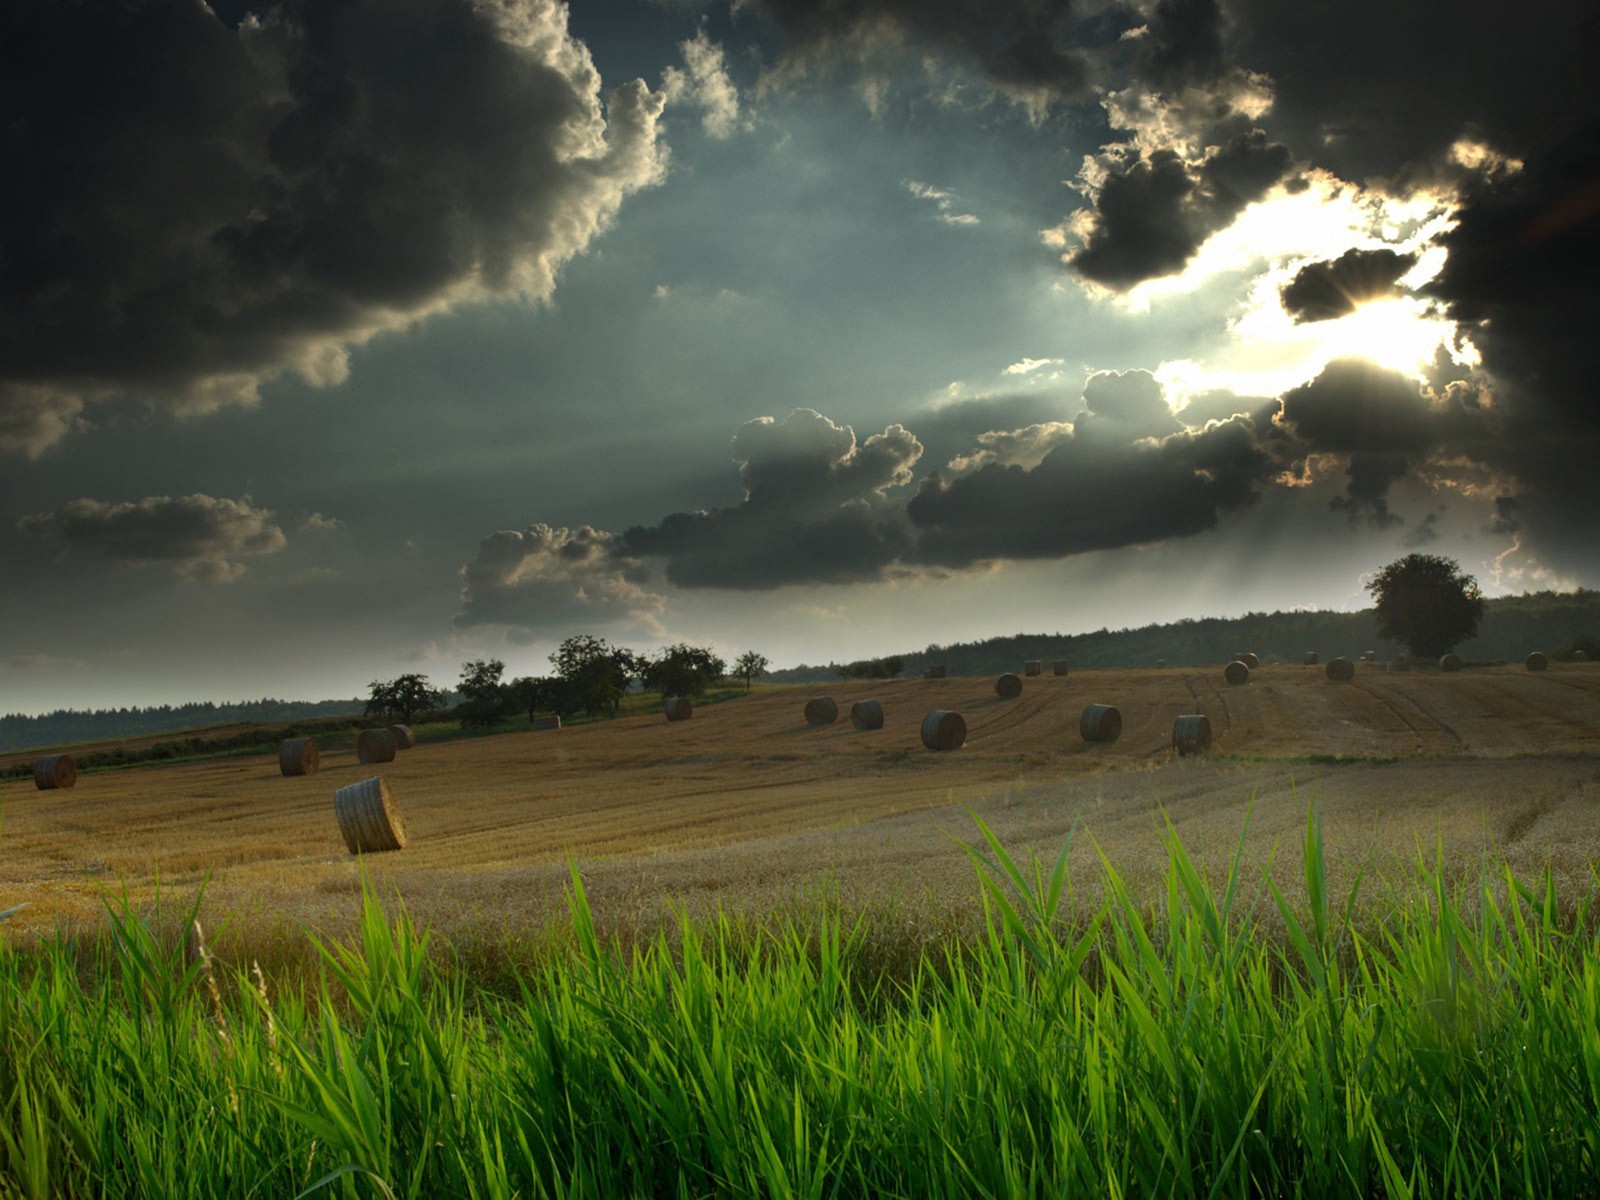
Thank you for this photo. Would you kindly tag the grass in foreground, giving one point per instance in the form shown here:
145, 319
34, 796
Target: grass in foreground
1129, 1050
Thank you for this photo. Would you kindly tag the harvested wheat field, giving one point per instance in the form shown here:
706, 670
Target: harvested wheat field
748, 805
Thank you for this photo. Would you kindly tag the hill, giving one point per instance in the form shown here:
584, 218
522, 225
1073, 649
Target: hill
69, 726
1512, 626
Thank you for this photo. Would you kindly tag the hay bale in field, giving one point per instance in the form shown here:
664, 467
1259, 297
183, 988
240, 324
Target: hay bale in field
1340, 670
1369, 656
1250, 659
1579, 656
944, 730
1033, 666
1311, 658
1060, 667
55, 771
368, 817
547, 723
1100, 723
375, 746
1537, 661
1236, 672
1008, 686
936, 672
1161, 664
404, 739
1450, 662
678, 708
299, 756
821, 710
1191, 733
866, 714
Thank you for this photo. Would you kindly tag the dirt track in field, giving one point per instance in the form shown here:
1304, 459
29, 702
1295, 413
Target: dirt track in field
746, 803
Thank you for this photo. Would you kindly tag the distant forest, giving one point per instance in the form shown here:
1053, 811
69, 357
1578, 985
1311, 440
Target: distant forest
1512, 626
65, 725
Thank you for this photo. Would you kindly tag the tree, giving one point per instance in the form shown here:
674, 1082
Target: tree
484, 696
683, 670
1425, 603
403, 698
871, 668
595, 673
748, 665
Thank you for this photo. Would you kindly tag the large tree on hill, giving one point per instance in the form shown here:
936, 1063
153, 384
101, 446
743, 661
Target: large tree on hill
1427, 604
403, 698
595, 673
484, 697
683, 670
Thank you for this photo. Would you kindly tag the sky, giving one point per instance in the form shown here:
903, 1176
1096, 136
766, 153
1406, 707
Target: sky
346, 338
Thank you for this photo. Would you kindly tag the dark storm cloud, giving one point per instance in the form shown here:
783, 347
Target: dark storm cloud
1127, 474
1152, 213
544, 579
198, 536
1384, 424
1032, 49
1424, 533
1326, 290
815, 510
194, 207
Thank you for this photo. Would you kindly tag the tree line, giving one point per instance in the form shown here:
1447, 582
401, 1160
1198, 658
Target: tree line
589, 675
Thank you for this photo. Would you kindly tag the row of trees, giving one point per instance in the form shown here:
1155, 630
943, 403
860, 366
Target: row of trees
590, 675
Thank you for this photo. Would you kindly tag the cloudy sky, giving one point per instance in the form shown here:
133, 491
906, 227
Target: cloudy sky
341, 338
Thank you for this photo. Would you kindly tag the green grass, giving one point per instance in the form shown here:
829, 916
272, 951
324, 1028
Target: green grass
1194, 1045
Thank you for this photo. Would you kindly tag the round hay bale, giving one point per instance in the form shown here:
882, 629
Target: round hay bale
1236, 672
1340, 670
1537, 661
55, 771
1033, 666
944, 730
1008, 686
866, 714
1311, 658
821, 710
547, 723
375, 746
1191, 733
404, 739
1100, 723
368, 817
1450, 662
1060, 667
1161, 664
678, 708
1369, 656
936, 672
1579, 656
1250, 659
299, 756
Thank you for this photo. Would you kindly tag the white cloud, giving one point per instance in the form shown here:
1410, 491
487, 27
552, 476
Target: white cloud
704, 81
942, 200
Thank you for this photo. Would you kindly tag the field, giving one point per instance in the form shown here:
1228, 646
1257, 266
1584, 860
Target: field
746, 805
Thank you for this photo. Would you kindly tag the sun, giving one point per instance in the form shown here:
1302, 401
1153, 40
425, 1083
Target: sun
1399, 333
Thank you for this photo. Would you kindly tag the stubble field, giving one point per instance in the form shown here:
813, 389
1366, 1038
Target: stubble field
746, 806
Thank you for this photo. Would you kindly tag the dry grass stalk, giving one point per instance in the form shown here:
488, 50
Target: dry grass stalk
944, 730
368, 817
866, 714
1100, 723
55, 771
299, 756
821, 710
375, 746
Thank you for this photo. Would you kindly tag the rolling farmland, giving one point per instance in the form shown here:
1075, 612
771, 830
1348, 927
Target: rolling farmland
747, 804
